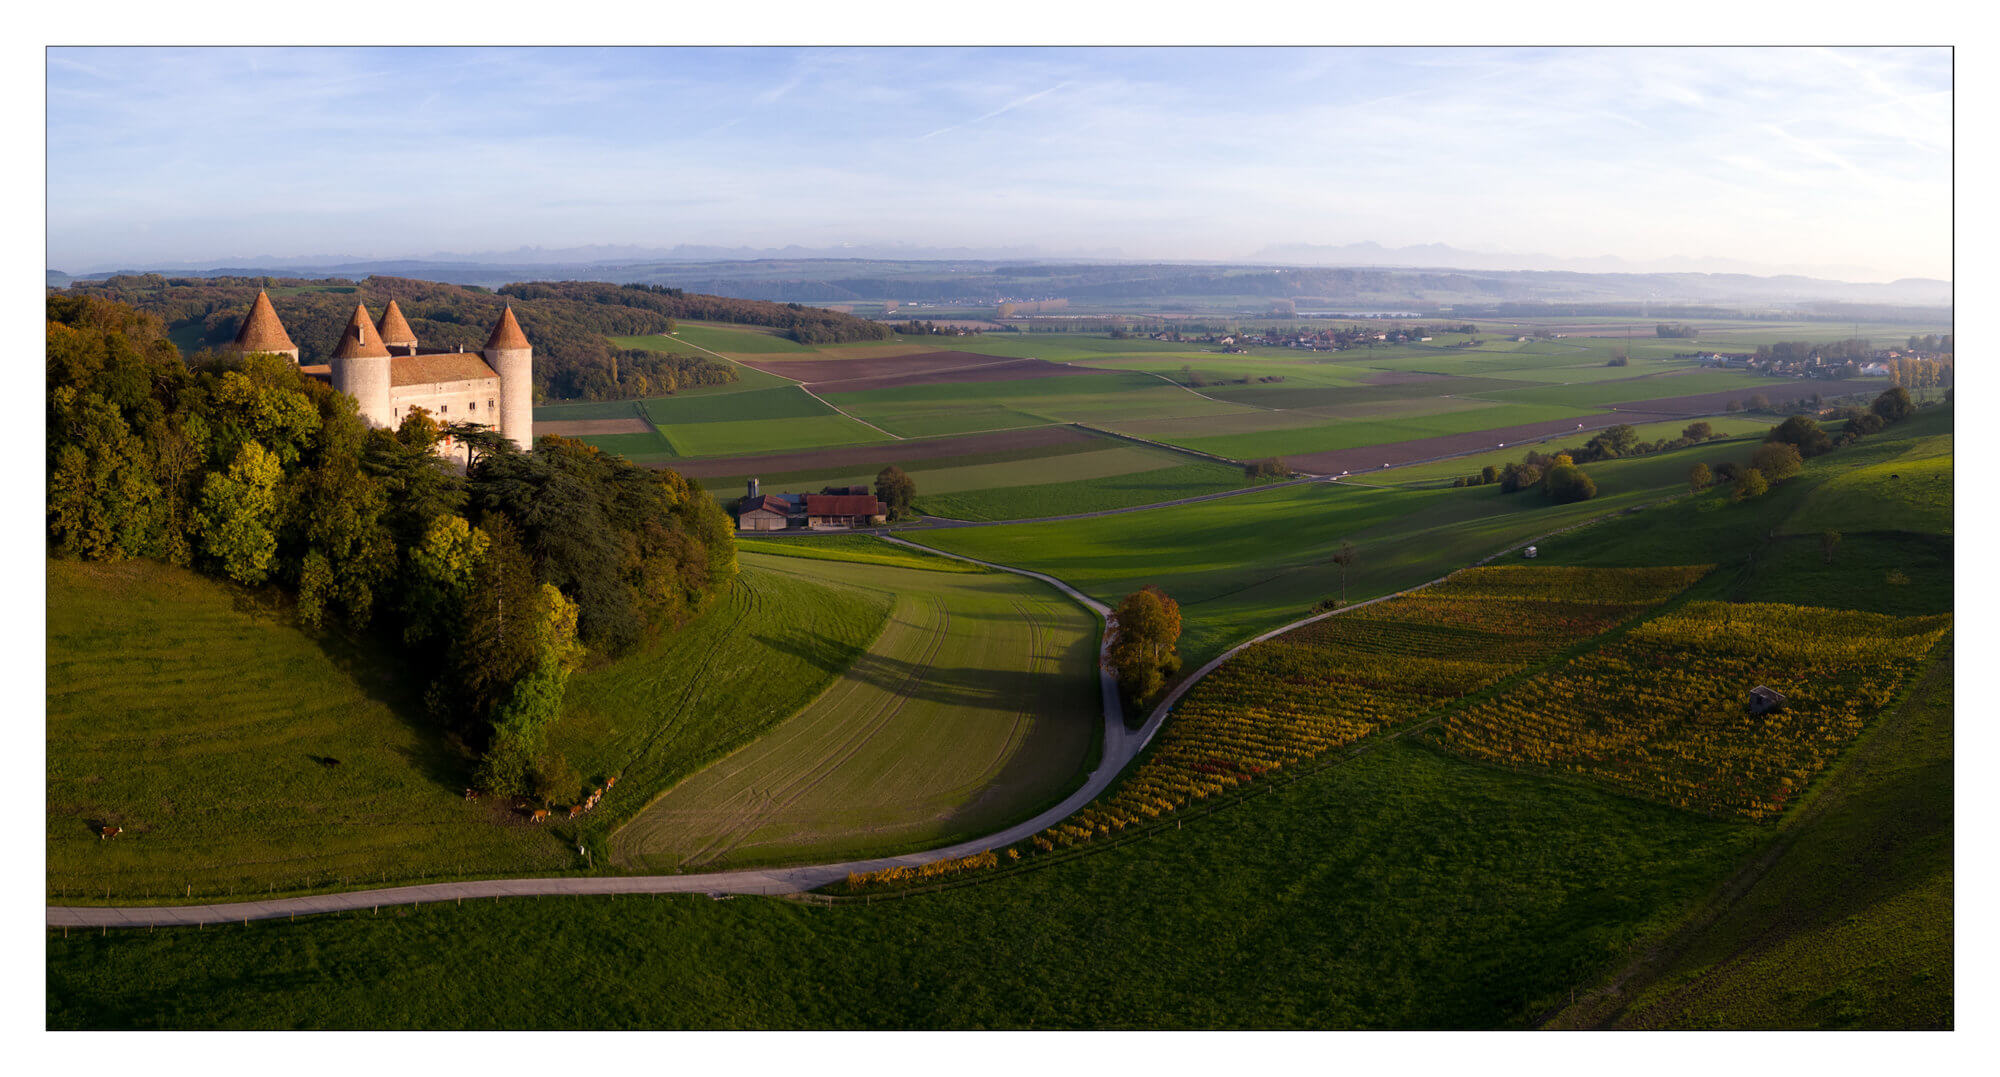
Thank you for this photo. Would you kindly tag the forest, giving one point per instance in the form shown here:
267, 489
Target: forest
241, 467
568, 323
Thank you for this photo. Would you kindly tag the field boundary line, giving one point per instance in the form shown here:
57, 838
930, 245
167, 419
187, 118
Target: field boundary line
801, 387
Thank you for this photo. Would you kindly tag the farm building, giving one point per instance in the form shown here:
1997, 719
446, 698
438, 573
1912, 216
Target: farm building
833, 511
766, 512
833, 508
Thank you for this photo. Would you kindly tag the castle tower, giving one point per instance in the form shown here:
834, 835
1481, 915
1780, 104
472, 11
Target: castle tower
361, 369
262, 332
396, 333
509, 354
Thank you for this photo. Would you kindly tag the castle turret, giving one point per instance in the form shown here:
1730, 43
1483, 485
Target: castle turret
509, 354
263, 332
396, 333
361, 369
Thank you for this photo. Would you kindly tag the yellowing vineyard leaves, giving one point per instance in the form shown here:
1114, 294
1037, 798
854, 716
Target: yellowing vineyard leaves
1335, 681
1662, 713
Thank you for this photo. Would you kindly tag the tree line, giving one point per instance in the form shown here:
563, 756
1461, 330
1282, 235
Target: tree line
492, 584
803, 324
574, 360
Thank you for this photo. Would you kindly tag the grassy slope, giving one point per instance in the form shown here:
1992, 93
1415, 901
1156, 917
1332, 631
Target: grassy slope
1911, 492
181, 711
1244, 564
1851, 926
764, 651
975, 706
1403, 890
1451, 418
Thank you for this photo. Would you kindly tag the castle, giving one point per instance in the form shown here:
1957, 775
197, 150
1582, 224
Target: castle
382, 369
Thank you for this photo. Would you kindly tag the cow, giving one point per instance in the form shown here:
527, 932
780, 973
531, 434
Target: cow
109, 832
575, 810
611, 781
471, 794
538, 815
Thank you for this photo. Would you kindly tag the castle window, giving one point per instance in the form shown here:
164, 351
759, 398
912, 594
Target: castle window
489, 405
442, 408
472, 405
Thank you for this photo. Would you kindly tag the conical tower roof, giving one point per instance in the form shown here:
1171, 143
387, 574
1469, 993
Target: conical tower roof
395, 330
360, 340
262, 331
507, 334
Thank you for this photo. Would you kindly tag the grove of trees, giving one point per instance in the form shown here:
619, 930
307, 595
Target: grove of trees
492, 584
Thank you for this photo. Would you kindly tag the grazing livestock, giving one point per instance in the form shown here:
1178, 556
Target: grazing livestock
538, 815
611, 781
109, 832
575, 810
472, 794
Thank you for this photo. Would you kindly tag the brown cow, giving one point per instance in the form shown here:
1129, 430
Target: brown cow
575, 810
611, 781
471, 794
539, 815
109, 832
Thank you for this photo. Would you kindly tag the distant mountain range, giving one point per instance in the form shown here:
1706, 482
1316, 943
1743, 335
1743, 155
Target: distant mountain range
1133, 287
1441, 256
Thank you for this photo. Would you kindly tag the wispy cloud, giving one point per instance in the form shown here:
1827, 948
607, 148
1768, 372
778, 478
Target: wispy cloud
1001, 111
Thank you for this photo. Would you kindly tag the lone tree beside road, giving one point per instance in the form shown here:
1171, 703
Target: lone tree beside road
1140, 653
896, 490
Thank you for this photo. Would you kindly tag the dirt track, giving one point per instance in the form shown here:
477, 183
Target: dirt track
876, 454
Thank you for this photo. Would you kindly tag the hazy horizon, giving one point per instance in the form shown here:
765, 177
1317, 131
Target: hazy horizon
1831, 163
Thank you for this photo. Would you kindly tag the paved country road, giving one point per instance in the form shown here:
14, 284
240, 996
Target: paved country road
1121, 746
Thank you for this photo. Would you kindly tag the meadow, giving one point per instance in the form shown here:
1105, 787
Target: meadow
239, 754
975, 706
1400, 890
1241, 565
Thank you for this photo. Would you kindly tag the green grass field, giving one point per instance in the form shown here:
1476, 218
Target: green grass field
1910, 492
767, 648
857, 549
1243, 564
1351, 434
920, 410
738, 339
1083, 494
184, 711
975, 706
1398, 889
1401, 890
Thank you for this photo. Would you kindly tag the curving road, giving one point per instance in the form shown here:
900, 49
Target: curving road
1121, 746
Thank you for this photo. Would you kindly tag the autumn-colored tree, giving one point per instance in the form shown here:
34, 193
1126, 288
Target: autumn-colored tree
1776, 460
1143, 631
1894, 405
1699, 477
1698, 431
419, 430
1565, 483
1750, 483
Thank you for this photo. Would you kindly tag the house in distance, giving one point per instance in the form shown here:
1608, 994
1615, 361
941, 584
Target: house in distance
834, 508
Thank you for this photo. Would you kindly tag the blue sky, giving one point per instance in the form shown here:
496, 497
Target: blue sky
1779, 157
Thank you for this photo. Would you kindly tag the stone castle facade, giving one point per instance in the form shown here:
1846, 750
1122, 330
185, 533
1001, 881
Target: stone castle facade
387, 374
